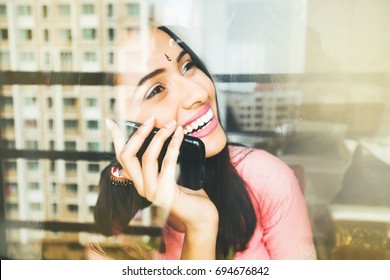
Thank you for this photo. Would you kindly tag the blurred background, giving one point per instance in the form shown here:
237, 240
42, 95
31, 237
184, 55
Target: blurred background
306, 80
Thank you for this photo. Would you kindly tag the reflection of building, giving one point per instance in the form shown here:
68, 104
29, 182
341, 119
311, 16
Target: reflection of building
57, 36
264, 110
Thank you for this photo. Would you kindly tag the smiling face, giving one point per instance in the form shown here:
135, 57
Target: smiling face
169, 85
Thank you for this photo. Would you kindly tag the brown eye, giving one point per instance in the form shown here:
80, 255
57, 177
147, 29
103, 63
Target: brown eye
187, 67
155, 91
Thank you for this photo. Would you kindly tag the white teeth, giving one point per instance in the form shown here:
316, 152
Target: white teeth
205, 118
199, 122
189, 128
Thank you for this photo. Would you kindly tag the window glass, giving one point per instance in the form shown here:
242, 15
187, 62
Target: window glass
305, 81
64, 10
88, 9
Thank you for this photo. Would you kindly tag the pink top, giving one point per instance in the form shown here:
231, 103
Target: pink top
283, 229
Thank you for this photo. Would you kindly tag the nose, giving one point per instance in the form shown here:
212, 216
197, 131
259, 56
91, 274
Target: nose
190, 92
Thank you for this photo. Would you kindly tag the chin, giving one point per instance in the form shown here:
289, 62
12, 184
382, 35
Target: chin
216, 143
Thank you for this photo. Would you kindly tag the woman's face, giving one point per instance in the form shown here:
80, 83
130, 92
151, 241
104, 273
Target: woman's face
168, 85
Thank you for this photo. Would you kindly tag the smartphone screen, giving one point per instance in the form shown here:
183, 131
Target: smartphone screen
191, 160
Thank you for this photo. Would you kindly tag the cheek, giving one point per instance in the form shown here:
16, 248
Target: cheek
201, 79
163, 112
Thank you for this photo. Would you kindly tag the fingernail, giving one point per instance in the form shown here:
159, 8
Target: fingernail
149, 121
178, 132
170, 124
109, 123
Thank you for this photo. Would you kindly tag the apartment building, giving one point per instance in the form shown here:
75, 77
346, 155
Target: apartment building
58, 36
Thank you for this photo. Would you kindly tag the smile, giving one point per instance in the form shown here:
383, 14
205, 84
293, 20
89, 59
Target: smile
199, 124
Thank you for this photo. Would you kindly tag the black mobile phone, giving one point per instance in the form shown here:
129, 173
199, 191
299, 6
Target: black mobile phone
191, 160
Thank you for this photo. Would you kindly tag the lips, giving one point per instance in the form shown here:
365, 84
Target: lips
201, 124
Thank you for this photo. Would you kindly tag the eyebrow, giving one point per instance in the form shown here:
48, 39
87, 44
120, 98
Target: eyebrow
180, 56
150, 75
160, 70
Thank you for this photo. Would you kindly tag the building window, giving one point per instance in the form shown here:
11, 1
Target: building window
8, 144
47, 58
133, 9
10, 206
23, 10
50, 124
11, 188
70, 167
110, 10
31, 144
66, 57
49, 102
93, 125
33, 165
64, 10
71, 124
3, 34
52, 145
88, 9
73, 208
52, 166
111, 57
3, 10
44, 11
4, 58
92, 188
65, 35
89, 33
35, 206
71, 188
30, 101
90, 57
112, 104
54, 208
91, 102
93, 167
53, 188
25, 35
70, 145
30, 124
93, 146
10, 165
27, 57
46, 35
70, 102
34, 186
6, 101
7, 123
111, 34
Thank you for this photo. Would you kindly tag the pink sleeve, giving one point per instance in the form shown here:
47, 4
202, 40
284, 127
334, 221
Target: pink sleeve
286, 228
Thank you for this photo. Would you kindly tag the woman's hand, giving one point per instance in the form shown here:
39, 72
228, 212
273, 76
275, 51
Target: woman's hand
193, 208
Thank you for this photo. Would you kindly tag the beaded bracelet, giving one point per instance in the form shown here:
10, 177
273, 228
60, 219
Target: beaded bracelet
117, 179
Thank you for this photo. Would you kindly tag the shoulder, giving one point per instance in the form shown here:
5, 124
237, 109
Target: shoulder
263, 172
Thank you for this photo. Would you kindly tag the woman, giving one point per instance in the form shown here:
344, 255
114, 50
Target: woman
251, 206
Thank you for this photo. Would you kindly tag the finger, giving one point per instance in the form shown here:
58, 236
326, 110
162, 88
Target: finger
150, 158
128, 155
168, 169
116, 135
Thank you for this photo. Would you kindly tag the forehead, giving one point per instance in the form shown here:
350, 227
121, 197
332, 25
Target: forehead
145, 55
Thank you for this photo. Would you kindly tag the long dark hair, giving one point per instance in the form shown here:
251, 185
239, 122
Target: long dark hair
117, 205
